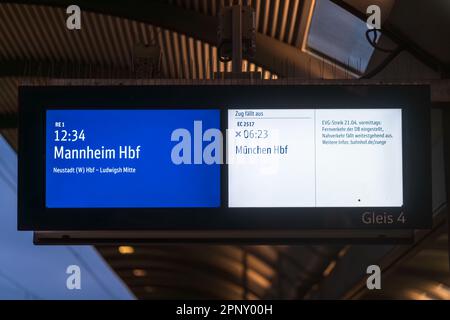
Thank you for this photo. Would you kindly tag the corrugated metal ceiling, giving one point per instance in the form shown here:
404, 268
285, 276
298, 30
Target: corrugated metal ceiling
38, 33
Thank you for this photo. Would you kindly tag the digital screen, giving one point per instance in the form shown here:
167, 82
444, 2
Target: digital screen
125, 159
315, 158
276, 158
224, 157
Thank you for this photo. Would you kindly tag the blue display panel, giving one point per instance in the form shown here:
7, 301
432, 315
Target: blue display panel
122, 159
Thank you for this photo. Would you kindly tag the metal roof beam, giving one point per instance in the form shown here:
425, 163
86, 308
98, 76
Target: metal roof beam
389, 29
65, 69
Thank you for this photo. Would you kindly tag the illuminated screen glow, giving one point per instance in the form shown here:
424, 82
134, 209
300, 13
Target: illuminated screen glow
315, 158
122, 158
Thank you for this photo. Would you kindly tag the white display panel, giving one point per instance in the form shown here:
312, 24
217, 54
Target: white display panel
315, 158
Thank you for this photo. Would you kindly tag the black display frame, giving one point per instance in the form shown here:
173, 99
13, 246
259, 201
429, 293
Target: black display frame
414, 100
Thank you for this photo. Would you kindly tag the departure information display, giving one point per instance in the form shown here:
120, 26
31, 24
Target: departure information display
122, 158
259, 160
315, 158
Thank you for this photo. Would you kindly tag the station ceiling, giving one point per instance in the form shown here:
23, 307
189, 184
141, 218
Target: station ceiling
36, 45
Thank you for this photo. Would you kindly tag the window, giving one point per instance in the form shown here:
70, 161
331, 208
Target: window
338, 36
